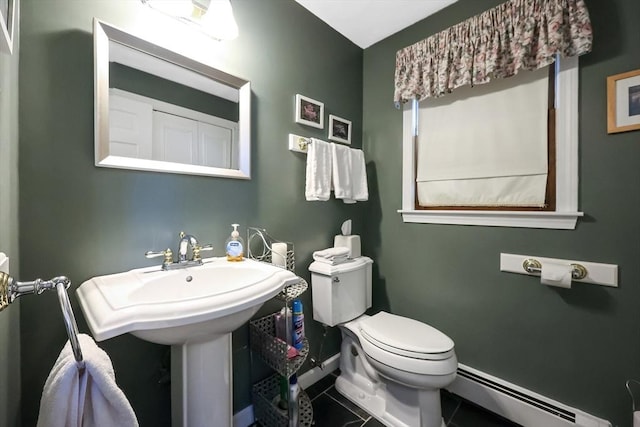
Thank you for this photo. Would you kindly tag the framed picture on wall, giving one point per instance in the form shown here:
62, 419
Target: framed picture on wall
623, 102
7, 19
309, 111
339, 129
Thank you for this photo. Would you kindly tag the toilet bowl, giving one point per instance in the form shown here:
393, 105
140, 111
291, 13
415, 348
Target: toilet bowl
391, 366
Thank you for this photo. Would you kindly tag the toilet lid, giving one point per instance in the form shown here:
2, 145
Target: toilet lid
406, 337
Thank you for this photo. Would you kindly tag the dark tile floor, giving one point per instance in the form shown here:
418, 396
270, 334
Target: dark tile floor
331, 409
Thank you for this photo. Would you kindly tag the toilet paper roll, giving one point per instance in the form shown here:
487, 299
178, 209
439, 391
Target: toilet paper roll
556, 275
279, 254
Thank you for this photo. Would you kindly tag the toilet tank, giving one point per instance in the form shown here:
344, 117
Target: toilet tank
340, 292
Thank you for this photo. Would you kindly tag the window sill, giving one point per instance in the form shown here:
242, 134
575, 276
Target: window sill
551, 220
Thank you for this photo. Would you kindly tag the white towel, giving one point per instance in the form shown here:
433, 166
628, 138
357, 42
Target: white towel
332, 256
360, 189
318, 176
87, 398
332, 252
341, 167
332, 261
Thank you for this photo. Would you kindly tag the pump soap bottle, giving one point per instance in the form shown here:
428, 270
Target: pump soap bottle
234, 246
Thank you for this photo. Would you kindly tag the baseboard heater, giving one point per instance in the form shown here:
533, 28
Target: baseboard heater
516, 403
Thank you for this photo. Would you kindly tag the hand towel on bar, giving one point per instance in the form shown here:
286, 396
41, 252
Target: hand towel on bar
360, 189
332, 256
341, 166
318, 175
84, 398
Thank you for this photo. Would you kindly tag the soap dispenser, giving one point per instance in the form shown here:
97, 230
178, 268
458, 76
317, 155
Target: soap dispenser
234, 246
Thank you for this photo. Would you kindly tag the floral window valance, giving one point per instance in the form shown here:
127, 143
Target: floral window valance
516, 35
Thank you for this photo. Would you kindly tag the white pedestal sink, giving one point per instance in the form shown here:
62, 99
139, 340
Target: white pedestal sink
194, 310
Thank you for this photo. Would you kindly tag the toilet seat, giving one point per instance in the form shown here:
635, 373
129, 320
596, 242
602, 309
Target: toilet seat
406, 337
407, 345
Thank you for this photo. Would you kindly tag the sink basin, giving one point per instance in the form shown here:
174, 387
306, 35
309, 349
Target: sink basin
194, 310
173, 307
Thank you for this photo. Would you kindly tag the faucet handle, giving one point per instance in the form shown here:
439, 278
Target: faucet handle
197, 249
167, 254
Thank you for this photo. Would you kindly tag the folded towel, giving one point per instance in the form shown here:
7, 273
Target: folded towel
360, 190
318, 174
332, 256
332, 252
84, 398
341, 167
332, 261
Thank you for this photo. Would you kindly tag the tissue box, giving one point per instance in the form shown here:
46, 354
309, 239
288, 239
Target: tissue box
351, 242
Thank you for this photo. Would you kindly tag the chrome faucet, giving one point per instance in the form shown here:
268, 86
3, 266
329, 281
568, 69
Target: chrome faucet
186, 241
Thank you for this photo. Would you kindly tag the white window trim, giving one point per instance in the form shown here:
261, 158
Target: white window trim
566, 214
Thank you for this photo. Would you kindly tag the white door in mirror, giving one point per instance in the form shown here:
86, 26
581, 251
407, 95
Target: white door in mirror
130, 128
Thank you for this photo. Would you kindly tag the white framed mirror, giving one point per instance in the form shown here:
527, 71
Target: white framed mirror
158, 110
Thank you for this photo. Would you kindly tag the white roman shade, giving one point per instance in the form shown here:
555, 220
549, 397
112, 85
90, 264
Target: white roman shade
485, 145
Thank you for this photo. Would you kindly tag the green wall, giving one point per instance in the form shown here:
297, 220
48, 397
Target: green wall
578, 346
10, 317
82, 221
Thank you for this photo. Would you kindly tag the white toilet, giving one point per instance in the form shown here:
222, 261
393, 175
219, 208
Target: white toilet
391, 366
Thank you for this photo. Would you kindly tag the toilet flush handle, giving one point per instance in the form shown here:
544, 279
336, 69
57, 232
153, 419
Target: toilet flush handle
336, 279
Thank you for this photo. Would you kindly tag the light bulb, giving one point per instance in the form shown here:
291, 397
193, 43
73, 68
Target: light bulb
218, 21
177, 8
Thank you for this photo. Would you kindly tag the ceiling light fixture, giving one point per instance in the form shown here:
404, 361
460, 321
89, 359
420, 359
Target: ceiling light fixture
212, 17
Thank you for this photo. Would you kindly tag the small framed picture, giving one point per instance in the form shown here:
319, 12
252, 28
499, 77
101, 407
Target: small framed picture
7, 17
623, 102
339, 129
309, 112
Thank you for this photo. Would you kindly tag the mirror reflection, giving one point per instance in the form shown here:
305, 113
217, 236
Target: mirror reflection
158, 110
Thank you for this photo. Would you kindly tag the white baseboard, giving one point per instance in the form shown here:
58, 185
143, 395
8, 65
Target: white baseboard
245, 417
518, 404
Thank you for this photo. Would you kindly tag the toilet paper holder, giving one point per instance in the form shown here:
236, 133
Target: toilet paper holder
532, 265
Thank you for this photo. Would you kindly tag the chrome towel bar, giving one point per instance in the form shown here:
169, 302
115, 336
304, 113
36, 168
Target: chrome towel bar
11, 289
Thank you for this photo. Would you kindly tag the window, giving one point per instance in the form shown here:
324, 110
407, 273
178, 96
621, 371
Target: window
486, 146
565, 214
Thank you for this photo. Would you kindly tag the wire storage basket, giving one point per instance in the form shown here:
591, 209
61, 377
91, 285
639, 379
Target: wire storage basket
262, 247
268, 414
273, 350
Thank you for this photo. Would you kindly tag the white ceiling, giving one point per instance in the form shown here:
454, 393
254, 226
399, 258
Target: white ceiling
366, 22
